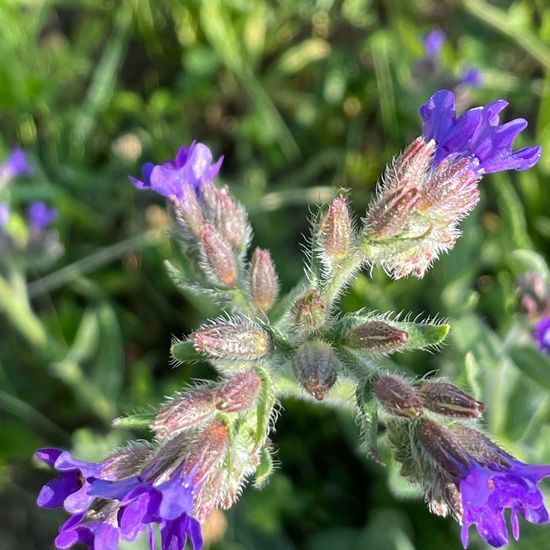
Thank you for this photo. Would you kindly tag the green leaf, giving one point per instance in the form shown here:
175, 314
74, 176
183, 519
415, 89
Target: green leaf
185, 351
423, 335
264, 469
368, 419
522, 261
533, 364
137, 421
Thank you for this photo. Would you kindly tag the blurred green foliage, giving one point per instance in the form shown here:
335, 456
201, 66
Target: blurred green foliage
302, 98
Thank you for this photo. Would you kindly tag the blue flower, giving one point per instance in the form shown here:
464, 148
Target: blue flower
191, 167
487, 490
16, 164
476, 133
471, 76
4, 213
541, 334
108, 505
433, 42
40, 216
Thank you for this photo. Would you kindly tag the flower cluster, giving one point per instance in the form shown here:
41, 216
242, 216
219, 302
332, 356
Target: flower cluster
210, 439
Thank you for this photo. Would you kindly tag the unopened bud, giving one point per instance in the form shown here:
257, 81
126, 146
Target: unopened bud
397, 396
189, 212
126, 462
264, 283
316, 366
449, 400
183, 412
534, 295
335, 231
481, 447
239, 393
206, 500
376, 336
232, 340
218, 258
443, 447
206, 453
229, 219
310, 311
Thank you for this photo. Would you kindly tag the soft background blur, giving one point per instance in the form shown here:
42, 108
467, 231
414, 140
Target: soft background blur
302, 98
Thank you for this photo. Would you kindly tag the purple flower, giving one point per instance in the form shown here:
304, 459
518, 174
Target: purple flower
40, 216
541, 334
471, 76
476, 133
433, 42
4, 213
15, 165
191, 167
487, 490
108, 504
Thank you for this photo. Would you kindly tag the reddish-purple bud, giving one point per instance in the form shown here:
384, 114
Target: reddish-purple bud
207, 452
229, 218
443, 447
264, 283
316, 366
183, 412
376, 336
239, 393
336, 231
449, 400
232, 340
310, 311
397, 397
218, 257
189, 212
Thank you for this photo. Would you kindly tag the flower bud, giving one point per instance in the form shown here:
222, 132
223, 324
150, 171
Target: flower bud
189, 212
376, 336
335, 230
480, 447
232, 340
316, 367
397, 396
443, 447
264, 283
183, 412
126, 462
218, 258
534, 295
229, 218
206, 453
239, 393
310, 311
449, 400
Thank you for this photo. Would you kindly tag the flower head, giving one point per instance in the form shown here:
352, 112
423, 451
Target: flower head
476, 133
40, 215
471, 76
16, 164
191, 168
4, 213
119, 498
542, 334
433, 42
488, 490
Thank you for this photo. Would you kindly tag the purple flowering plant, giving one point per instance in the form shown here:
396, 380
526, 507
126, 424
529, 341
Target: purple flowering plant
211, 439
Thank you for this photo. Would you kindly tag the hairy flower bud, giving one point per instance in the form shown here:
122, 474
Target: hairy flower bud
449, 400
443, 447
127, 462
218, 258
316, 367
376, 336
183, 412
335, 230
239, 393
264, 283
189, 212
418, 207
397, 396
310, 311
206, 453
232, 340
230, 219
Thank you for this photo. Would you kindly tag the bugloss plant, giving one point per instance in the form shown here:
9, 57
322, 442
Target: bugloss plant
212, 438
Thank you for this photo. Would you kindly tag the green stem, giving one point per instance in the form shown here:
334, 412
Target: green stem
342, 275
